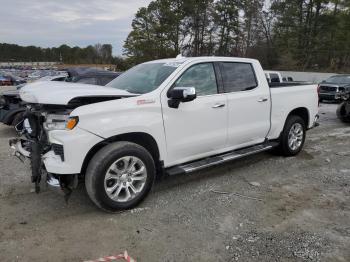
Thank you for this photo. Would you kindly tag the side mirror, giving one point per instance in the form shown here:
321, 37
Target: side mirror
181, 94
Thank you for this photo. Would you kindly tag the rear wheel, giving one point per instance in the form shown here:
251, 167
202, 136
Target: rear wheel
120, 176
293, 136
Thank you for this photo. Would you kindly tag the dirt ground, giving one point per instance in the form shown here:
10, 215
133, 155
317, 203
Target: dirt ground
298, 209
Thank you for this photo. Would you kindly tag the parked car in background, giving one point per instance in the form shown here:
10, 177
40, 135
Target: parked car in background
15, 80
273, 76
91, 76
61, 77
333, 87
167, 116
4, 81
12, 107
287, 79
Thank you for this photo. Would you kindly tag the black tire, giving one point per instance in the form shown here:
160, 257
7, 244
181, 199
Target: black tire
17, 119
320, 100
342, 113
102, 161
284, 147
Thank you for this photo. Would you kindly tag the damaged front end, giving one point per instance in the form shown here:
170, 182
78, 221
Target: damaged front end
47, 133
33, 144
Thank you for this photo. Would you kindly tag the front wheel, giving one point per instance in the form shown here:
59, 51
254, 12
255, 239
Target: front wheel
293, 136
120, 176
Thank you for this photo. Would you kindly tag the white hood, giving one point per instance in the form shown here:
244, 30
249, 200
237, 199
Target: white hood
60, 93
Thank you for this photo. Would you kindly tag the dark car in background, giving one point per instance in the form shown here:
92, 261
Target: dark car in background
4, 81
15, 80
12, 107
91, 76
334, 87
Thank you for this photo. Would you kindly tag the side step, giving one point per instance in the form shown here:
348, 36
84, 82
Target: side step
218, 159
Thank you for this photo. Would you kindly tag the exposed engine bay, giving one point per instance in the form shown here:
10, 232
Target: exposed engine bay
33, 141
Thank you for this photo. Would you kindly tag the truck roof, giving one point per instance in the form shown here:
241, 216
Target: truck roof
182, 59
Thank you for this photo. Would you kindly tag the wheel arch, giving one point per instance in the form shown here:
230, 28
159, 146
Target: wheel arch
11, 114
303, 112
143, 139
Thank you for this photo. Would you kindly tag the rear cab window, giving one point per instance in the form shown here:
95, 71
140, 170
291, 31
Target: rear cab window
238, 76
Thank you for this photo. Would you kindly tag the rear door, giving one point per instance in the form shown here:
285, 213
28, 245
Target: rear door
248, 104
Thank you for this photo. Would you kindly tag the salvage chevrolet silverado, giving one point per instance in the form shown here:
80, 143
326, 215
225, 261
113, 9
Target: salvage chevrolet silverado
161, 117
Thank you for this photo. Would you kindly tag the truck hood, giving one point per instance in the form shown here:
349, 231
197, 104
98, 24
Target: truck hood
61, 93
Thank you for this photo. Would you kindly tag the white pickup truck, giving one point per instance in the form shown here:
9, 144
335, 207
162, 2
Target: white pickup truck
166, 116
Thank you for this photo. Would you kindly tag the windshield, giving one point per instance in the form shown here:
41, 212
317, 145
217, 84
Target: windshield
144, 78
339, 80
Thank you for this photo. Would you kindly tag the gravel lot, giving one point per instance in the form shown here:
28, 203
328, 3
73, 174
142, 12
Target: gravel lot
296, 209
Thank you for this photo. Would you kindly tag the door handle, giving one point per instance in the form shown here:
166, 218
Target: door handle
218, 105
262, 100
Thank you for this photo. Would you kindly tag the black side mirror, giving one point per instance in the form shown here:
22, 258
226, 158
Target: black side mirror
181, 94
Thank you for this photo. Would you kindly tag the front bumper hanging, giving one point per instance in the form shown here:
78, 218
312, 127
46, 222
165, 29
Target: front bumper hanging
23, 149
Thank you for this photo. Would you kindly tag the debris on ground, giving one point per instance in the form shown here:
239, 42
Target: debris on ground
304, 215
123, 256
300, 246
257, 184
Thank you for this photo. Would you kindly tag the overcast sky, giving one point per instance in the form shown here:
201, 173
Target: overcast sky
49, 23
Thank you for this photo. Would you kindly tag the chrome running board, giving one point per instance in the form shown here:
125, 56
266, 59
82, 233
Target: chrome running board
219, 159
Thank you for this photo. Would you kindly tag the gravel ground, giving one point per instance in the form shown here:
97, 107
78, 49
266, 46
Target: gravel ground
262, 208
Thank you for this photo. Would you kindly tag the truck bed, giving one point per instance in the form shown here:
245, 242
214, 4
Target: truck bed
276, 85
289, 98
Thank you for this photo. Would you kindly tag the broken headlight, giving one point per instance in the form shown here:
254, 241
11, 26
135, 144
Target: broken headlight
60, 122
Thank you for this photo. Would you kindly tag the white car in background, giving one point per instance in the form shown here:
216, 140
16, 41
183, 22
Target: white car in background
273, 77
60, 77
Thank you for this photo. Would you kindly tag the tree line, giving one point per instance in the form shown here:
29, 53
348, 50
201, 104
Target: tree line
282, 34
97, 54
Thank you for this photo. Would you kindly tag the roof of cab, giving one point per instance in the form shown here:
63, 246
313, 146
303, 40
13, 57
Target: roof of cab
182, 59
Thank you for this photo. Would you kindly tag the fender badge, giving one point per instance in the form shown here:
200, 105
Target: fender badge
145, 101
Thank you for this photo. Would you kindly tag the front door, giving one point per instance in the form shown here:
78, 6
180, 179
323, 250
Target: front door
198, 128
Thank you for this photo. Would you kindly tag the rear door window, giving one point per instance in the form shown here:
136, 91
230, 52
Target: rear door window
238, 76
